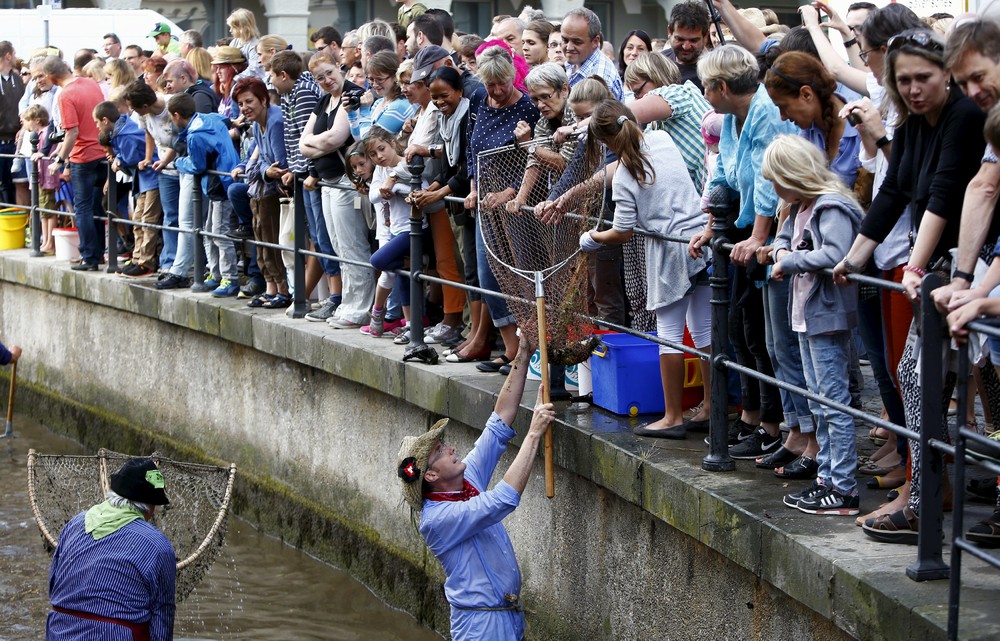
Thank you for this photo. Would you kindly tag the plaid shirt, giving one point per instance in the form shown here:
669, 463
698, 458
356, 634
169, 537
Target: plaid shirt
684, 126
597, 65
296, 107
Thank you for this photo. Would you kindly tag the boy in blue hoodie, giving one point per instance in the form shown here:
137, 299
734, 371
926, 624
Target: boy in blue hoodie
128, 146
208, 147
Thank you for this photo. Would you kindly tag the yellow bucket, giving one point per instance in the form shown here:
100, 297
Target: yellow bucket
12, 224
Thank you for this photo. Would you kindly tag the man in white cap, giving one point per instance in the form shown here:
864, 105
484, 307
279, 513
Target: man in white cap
461, 520
113, 573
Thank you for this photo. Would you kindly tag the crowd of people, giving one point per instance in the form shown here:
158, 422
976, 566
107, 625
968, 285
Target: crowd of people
877, 161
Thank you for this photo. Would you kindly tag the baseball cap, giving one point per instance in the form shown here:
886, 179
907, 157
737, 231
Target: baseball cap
423, 62
158, 28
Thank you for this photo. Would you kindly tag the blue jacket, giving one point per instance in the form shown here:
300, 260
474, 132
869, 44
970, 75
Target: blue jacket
209, 147
129, 145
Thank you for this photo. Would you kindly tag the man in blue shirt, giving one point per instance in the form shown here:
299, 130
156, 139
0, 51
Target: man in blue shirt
581, 36
461, 520
113, 574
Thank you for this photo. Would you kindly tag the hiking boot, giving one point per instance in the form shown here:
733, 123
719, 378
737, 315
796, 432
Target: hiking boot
792, 500
226, 289
325, 312
760, 443
829, 501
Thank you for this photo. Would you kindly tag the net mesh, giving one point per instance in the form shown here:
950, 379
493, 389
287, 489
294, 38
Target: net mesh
60, 487
519, 244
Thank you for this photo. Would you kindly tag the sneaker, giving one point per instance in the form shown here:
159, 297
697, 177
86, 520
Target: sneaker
226, 289
135, 270
172, 281
324, 313
792, 500
739, 431
377, 325
401, 336
830, 501
394, 324
760, 443
444, 335
208, 285
253, 288
342, 323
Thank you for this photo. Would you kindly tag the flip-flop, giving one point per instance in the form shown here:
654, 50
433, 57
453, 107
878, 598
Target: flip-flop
492, 367
986, 533
898, 527
801, 468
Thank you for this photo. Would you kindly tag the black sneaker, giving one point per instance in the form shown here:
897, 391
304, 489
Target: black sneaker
792, 500
739, 431
760, 443
253, 288
830, 501
173, 282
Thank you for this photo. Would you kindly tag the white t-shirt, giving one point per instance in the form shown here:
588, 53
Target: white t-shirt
161, 128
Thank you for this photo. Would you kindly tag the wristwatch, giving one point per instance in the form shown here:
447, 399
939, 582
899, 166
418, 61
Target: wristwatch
532, 148
435, 151
850, 43
883, 141
57, 159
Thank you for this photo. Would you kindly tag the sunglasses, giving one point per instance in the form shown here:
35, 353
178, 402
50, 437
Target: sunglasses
920, 39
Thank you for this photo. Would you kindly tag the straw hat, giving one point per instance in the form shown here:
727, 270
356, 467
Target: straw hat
414, 452
227, 56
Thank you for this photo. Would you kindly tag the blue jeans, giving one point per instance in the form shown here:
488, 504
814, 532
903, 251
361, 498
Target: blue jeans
183, 261
87, 179
825, 364
782, 346
317, 230
170, 193
390, 256
498, 306
239, 197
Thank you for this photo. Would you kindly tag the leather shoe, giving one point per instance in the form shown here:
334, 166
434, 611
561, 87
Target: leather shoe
677, 432
85, 267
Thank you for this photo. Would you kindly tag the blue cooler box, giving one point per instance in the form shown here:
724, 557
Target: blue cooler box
626, 375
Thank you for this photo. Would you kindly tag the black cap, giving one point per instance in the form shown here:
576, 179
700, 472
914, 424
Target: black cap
140, 480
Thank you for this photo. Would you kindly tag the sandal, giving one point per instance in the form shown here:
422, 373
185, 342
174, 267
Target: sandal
259, 300
898, 527
895, 478
492, 367
984, 489
777, 458
878, 435
801, 468
278, 301
873, 468
987, 532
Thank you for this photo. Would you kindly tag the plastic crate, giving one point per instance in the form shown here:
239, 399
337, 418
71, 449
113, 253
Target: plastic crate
626, 376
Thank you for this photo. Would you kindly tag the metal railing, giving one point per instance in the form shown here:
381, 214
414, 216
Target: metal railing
929, 564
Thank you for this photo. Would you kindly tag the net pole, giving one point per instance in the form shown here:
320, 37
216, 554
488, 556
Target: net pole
543, 351
9, 428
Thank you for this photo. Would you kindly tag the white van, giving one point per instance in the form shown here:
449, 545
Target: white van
73, 29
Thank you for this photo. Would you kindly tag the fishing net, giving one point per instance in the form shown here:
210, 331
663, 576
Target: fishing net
520, 245
60, 487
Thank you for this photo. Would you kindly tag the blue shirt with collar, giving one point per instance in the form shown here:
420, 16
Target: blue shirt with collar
597, 64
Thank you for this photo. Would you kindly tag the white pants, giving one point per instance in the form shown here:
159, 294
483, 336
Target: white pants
349, 234
696, 309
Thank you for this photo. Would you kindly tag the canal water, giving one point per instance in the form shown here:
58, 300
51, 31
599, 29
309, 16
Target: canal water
258, 588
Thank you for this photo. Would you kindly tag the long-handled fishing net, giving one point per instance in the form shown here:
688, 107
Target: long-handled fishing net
62, 486
538, 260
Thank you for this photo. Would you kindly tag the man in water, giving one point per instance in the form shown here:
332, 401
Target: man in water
113, 572
461, 520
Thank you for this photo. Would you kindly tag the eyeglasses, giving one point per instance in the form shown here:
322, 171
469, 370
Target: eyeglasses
641, 87
864, 54
542, 97
920, 39
379, 81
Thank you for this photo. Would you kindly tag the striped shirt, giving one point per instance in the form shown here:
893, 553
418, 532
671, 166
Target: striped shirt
296, 107
389, 116
128, 575
684, 126
597, 65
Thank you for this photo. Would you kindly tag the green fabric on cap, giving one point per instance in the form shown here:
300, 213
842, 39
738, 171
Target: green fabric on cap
104, 519
155, 478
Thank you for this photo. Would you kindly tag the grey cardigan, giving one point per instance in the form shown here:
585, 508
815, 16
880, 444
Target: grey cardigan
835, 223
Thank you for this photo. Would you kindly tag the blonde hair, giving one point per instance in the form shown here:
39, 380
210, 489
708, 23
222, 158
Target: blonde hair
201, 60
593, 90
272, 42
655, 68
243, 25
405, 67
731, 64
120, 73
95, 69
376, 27
613, 124
794, 163
495, 65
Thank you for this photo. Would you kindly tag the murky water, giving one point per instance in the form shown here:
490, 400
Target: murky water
257, 589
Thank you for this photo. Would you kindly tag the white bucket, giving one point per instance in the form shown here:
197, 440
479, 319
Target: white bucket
584, 378
67, 243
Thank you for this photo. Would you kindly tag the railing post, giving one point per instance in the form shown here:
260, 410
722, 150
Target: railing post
417, 349
958, 500
36, 216
197, 226
718, 459
299, 298
112, 228
929, 564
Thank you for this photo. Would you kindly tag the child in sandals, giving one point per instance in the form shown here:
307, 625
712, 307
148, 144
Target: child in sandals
822, 313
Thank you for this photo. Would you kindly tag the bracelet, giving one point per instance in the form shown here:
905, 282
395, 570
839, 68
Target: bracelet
919, 271
883, 141
851, 267
850, 43
966, 276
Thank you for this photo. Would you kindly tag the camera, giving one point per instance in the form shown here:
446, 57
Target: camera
352, 98
58, 136
854, 118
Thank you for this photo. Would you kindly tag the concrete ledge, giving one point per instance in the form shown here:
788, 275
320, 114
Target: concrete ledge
846, 585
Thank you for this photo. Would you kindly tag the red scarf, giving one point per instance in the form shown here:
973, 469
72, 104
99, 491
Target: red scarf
466, 493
